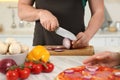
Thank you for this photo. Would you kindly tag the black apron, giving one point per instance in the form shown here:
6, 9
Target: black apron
70, 14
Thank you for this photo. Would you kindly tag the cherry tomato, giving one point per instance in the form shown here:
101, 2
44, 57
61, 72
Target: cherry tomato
49, 67
12, 75
28, 64
24, 73
36, 68
17, 69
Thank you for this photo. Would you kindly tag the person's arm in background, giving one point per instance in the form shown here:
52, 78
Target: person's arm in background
106, 58
27, 12
97, 18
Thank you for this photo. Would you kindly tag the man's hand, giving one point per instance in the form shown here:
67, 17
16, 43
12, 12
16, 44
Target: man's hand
48, 20
109, 59
82, 40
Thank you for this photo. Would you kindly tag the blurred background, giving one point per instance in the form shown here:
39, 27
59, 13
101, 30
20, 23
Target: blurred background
9, 20
12, 26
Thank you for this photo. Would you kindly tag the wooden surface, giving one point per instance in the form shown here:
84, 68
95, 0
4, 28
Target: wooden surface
87, 51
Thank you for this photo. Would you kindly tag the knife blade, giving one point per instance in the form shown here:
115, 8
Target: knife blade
65, 33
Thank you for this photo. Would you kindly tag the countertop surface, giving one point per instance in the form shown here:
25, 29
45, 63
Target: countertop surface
60, 62
29, 33
63, 62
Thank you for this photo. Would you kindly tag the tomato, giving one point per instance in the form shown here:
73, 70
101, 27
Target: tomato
108, 69
49, 67
24, 73
36, 68
12, 75
28, 64
111, 77
79, 69
103, 68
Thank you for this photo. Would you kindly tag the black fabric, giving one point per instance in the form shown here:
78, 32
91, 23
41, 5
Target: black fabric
70, 14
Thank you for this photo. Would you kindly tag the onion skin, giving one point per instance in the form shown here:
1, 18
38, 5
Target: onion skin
5, 64
67, 43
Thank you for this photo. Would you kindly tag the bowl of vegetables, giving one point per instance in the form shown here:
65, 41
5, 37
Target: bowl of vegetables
12, 52
18, 58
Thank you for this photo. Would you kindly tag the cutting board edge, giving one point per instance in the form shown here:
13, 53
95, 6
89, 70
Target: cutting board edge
89, 52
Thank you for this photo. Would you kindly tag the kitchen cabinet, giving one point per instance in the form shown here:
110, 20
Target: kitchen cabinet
112, 41
106, 39
98, 41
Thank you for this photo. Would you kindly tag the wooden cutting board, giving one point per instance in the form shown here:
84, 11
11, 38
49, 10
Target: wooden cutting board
87, 51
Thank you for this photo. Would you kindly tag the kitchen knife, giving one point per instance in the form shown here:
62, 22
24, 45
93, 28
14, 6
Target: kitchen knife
65, 33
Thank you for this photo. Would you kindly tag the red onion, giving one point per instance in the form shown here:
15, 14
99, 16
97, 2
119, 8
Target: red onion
58, 50
91, 68
5, 64
117, 74
69, 71
67, 43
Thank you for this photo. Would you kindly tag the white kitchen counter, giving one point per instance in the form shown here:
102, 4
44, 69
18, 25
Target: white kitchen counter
63, 62
60, 62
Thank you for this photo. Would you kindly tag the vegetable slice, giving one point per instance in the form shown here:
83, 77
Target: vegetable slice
67, 43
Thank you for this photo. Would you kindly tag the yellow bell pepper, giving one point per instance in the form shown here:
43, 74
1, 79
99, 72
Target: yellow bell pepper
38, 53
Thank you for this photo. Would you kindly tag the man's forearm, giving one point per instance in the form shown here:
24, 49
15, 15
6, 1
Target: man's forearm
94, 24
27, 12
97, 11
